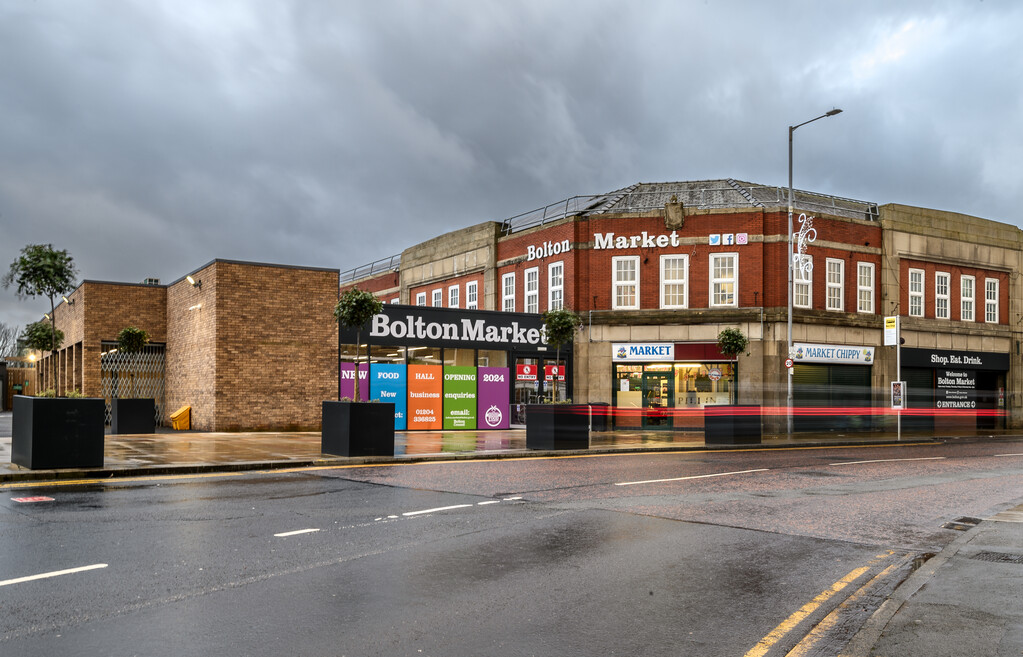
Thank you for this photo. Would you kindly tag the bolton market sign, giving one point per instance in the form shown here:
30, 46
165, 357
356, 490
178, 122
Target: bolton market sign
453, 327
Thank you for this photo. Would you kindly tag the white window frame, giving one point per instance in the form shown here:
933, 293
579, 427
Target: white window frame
532, 296
916, 293
802, 279
991, 301
683, 281
865, 293
716, 281
395, 300
835, 289
438, 298
421, 299
472, 295
556, 285
618, 285
454, 292
508, 292
942, 295
967, 299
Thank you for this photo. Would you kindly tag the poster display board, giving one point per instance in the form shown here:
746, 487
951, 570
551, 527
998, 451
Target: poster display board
459, 398
389, 384
425, 404
348, 381
493, 392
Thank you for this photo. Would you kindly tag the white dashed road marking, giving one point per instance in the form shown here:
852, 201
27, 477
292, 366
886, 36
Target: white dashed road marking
658, 481
296, 532
56, 573
925, 458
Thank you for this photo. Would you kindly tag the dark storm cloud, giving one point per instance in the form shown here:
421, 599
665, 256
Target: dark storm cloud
151, 137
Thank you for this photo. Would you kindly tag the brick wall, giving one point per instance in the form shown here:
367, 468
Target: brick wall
276, 346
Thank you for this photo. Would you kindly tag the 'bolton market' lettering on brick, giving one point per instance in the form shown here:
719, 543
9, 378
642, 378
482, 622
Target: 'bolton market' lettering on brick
416, 328
546, 250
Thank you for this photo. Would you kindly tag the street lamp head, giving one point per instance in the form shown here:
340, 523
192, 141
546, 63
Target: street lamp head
833, 112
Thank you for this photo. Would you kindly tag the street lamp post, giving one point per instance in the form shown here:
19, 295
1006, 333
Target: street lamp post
791, 371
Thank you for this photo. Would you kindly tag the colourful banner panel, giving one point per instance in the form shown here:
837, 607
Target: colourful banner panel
459, 398
425, 404
389, 385
493, 392
348, 381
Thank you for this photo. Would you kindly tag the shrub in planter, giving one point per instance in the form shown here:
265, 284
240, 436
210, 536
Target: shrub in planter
57, 432
133, 414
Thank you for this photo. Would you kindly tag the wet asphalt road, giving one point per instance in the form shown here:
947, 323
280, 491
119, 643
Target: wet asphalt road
569, 556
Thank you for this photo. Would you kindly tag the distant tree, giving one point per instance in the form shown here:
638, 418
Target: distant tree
132, 341
42, 271
353, 310
41, 336
8, 340
559, 327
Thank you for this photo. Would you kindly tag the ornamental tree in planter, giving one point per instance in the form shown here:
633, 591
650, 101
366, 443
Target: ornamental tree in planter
354, 428
558, 426
732, 424
132, 414
42, 271
51, 432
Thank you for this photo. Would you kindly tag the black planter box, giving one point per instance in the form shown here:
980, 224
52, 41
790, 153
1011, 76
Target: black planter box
558, 426
53, 432
132, 416
357, 429
732, 425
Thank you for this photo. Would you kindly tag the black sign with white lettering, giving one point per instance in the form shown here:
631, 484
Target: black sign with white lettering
956, 389
941, 358
453, 327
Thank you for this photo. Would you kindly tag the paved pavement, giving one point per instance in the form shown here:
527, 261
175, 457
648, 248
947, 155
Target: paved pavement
964, 601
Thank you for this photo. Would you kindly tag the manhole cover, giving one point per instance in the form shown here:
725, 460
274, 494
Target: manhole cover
999, 557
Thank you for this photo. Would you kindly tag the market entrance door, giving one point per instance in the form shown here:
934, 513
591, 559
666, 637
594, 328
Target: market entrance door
658, 391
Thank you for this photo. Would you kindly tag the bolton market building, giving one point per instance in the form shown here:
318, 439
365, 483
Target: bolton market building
655, 271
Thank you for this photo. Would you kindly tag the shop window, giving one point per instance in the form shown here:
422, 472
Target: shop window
438, 298
492, 358
991, 300
471, 295
625, 295
865, 287
916, 292
723, 278
802, 283
421, 299
424, 356
836, 284
941, 285
967, 296
556, 286
674, 281
453, 299
508, 293
533, 290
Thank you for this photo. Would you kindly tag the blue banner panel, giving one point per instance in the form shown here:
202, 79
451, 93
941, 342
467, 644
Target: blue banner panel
389, 384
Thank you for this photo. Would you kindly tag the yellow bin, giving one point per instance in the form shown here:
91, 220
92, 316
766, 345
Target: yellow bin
181, 419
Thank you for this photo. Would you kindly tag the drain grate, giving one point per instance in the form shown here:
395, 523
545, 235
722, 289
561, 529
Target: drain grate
962, 524
999, 557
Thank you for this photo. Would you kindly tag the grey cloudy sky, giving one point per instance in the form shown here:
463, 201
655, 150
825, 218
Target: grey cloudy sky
151, 137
